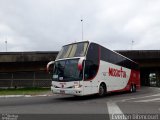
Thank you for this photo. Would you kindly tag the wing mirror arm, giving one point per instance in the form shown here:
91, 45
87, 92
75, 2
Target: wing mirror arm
50, 63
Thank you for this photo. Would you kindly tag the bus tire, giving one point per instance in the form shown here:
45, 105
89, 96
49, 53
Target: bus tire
131, 88
102, 90
134, 88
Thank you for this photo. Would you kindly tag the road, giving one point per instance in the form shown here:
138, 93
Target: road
113, 106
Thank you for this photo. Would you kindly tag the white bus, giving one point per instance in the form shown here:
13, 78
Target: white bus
85, 68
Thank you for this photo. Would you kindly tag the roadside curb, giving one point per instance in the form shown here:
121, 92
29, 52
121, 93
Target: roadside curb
15, 96
157, 88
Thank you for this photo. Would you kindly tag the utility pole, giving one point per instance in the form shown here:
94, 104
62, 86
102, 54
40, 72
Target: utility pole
6, 44
132, 45
82, 28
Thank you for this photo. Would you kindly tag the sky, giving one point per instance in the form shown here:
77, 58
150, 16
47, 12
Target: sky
47, 25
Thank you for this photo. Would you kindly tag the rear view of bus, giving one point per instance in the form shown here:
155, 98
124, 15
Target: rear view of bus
81, 69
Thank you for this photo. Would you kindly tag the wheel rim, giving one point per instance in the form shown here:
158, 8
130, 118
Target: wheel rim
131, 89
134, 88
101, 90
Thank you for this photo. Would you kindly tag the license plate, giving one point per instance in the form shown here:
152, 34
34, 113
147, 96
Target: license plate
62, 91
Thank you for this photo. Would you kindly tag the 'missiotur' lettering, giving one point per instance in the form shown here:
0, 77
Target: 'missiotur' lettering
117, 73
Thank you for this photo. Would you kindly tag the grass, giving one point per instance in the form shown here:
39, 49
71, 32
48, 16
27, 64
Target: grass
24, 91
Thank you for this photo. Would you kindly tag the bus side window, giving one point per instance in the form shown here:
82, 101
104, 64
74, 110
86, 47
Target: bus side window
92, 62
90, 70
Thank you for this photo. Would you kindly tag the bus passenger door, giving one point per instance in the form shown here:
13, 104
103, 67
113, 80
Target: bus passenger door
91, 67
87, 83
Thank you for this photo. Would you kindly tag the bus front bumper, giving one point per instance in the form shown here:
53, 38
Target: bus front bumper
69, 91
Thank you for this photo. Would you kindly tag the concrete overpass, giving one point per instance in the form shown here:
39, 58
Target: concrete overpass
25, 69
31, 66
149, 61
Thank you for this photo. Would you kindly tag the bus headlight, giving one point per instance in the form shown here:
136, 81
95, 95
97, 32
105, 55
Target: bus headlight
77, 86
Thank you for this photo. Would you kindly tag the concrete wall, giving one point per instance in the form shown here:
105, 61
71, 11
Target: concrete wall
25, 69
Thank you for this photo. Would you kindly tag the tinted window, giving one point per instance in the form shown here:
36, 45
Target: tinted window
67, 70
92, 61
73, 50
114, 58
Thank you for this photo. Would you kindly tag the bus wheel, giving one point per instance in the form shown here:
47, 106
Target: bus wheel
102, 90
134, 88
131, 88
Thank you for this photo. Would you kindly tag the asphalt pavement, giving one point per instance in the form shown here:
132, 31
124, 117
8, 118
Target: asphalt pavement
141, 105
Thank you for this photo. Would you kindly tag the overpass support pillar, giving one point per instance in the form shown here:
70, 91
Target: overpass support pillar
158, 78
145, 78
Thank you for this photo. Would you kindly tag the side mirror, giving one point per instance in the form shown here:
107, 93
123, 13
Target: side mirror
80, 64
51, 62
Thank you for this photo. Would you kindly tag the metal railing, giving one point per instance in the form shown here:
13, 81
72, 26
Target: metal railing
25, 79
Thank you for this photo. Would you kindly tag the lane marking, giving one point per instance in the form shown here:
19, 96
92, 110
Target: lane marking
149, 100
113, 110
140, 97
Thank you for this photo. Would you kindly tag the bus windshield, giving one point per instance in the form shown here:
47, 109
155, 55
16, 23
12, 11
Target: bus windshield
67, 70
73, 50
